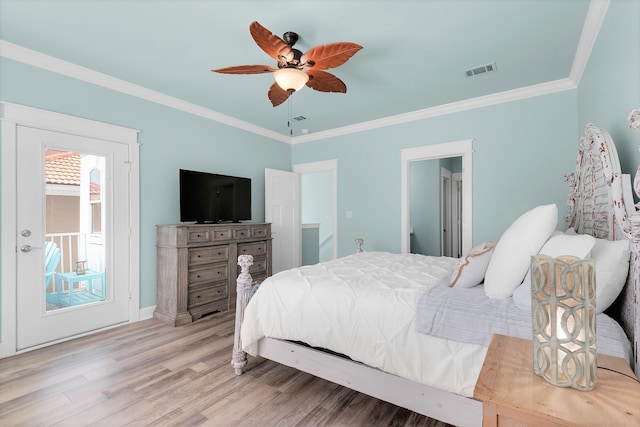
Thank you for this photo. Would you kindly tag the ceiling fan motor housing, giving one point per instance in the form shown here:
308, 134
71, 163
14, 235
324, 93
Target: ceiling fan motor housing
290, 38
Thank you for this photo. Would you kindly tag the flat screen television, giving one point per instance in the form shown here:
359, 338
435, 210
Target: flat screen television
211, 198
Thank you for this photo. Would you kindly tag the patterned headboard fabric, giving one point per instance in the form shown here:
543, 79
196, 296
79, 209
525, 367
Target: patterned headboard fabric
600, 203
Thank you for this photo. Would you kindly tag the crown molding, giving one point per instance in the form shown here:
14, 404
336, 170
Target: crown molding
31, 57
593, 22
441, 110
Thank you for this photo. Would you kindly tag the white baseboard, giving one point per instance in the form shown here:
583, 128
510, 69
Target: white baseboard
147, 312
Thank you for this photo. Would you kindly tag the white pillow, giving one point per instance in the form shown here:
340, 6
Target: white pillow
612, 267
470, 269
557, 245
611, 258
512, 255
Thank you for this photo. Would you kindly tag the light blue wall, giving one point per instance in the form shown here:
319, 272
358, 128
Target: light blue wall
170, 140
610, 86
522, 150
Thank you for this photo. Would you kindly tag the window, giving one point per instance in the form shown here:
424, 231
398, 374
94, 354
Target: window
95, 201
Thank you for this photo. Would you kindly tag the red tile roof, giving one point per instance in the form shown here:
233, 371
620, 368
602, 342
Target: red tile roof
63, 167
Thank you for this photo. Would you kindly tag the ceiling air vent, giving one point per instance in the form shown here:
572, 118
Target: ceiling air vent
481, 70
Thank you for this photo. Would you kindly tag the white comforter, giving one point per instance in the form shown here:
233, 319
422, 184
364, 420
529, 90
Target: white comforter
364, 306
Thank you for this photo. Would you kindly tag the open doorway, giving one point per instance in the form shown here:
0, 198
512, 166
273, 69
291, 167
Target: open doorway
319, 210
436, 207
458, 203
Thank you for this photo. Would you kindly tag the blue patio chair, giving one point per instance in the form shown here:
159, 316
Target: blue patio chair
51, 260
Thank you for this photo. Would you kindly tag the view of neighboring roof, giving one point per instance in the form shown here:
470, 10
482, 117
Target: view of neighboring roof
62, 167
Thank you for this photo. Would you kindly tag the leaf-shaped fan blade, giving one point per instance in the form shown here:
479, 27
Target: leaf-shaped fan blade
325, 82
277, 95
329, 55
273, 45
246, 69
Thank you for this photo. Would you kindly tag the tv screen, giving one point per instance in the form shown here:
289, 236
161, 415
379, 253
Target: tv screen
210, 198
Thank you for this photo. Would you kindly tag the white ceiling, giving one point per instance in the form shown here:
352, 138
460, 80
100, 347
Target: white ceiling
413, 62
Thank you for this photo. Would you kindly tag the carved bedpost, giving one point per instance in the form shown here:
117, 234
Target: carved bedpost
359, 242
634, 118
243, 288
635, 281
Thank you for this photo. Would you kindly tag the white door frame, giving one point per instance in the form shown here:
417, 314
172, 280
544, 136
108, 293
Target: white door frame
324, 166
446, 209
456, 199
13, 116
462, 149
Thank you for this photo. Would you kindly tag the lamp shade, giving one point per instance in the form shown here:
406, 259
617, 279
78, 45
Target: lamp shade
563, 307
291, 78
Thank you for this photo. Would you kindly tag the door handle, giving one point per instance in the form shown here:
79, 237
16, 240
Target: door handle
27, 248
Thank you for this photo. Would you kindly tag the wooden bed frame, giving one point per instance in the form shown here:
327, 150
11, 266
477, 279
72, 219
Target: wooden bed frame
600, 203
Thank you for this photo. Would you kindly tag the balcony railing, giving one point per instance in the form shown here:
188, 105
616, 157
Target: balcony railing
69, 244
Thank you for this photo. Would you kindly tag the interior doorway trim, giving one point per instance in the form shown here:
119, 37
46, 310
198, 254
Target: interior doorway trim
462, 149
323, 166
14, 116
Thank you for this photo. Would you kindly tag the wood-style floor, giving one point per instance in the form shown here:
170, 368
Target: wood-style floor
148, 373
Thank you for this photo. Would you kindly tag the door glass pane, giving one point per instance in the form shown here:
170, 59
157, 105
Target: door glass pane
75, 244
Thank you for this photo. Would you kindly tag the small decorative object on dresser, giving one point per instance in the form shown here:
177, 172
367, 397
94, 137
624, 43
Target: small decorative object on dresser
197, 267
564, 320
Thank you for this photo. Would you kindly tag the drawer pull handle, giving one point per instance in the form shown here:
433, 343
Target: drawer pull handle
198, 276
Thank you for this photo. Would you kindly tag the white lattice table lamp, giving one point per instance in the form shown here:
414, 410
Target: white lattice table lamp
564, 321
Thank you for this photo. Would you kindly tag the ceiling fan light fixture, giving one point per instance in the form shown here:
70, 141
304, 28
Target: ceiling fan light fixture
291, 78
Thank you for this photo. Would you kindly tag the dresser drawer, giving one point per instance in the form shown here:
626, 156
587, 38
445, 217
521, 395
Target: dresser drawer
198, 235
259, 232
208, 255
255, 249
259, 278
259, 266
221, 234
212, 273
207, 294
242, 233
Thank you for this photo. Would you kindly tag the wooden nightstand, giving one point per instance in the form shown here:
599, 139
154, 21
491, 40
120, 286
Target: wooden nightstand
512, 395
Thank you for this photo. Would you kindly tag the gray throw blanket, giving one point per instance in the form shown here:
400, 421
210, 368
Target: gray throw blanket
468, 315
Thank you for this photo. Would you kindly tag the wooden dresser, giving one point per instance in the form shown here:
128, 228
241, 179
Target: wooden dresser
197, 267
513, 395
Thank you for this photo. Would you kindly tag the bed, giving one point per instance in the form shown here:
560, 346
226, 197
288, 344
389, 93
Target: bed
369, 332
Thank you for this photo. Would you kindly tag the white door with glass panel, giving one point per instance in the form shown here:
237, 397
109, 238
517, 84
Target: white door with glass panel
73, 235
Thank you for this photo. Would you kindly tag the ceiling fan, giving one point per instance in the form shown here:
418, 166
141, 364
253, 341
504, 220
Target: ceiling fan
295, 69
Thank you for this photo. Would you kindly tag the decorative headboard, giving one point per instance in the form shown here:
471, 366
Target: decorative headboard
600, 203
